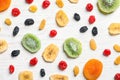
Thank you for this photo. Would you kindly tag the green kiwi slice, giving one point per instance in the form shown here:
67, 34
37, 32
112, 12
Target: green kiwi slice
31, 43
72, 47
108, 6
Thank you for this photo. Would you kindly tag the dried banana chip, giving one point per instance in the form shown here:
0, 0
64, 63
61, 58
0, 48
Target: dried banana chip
58, 77
3, 46
74, 1
26, 75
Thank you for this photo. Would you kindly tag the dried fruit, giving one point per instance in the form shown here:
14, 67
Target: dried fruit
117, 76
83, 29
46, 4
15, 12
91, 19
59, 3
76, 70
93, 45
94, 31
76, 16
42, 24
8, 21
50, 53
3, 46
4, 5
114, 29
89, 7
74, 1
92, 69
106, 52
116, 47
31, 43
33, 61
25, 75
42, 72
53, 33
29, 1
33, 8
62, 65
58, 77
61, 18
11, 69
29, 22
15, 53
15, 31
117, 61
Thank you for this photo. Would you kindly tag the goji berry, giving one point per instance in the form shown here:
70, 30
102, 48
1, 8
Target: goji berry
53, 33
106, 52
45, 4
29, 1
92, 19
15, 12
62, 65
11, 69
117, 76
89, 7
33, 61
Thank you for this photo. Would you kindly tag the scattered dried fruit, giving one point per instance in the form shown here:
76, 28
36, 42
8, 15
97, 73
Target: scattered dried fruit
29, 1
106, 52
11, 69
15, 53
33, 8
4, 4
76, 70
42, 72
53, 33
89, 7
46, 4
61, 18
76, 16
3, 46
91, 19
74, 1
58, 77
25, 75
94, 31
15, 12
117, 76
116, 47
15, 31
93, 45
92, 69
33, 61
83, 29
117, 61
59, 3
42, 24
8, 21
62, 65
50, 53
29, 22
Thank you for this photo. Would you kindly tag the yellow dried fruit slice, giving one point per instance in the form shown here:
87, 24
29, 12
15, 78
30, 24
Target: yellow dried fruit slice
33, 8
3, 46
42, 24
74, 1
58, 77
61, 18
93, 45
116, 47
59, 3
114, 29
8, 21
76, 70
117, 61
50, 53
25, 75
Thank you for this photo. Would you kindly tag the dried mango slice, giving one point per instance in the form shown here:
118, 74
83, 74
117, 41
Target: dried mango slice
59, 3
117, 61
4, 4
76, 70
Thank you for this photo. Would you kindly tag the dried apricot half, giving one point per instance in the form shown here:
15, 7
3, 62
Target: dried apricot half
4, 4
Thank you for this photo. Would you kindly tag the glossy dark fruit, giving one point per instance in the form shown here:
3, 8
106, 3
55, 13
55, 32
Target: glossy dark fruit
42, 72
94, 31
76, 16
83, 29
29, 22
15, 53
15, 31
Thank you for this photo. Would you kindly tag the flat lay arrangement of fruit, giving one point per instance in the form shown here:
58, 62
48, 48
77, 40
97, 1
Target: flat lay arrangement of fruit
59, 40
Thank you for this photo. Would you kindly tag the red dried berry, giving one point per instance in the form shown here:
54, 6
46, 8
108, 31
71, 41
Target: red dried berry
89, 7
53, 33
15, 12
106, 52
62, 65
29, 1
45, 4
11, 69
117, 76
91, 19
33, 61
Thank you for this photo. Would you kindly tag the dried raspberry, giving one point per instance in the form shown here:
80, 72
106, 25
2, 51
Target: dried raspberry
45, 4
106, 52
15, 12
91, 19
11, 69
62, 65
89, 7
53, 33
29, 1
33, 61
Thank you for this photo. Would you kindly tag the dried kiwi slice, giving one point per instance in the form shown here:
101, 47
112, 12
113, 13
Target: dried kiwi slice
72, 47
108, 6
31, 43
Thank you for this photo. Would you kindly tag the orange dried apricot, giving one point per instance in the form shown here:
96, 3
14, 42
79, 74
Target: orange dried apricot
4, 4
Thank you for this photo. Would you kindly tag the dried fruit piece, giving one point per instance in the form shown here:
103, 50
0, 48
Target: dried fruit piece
33, 61
62, 65
50, 53
83, 29
31, 43
15, 31
106, 52
89, 7
94, 31
25, 75
114, 29
3, 46
92, 69
29, 1
58, 77
74, 1
42, 24
42, 72
117, 61
15, 12
76, 16
4, 4
8, 21
11, 69
93, 45
116, 47
72, 47
59, 3
29, 22
53, 33
61, 18
45, 4
117, 76
76, 70
15, 53
33, 8
91, 19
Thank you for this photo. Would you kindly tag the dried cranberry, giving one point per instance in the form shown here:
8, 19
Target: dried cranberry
29, 1
106, 52
11, 69
33, 61
89, 7
53, 33
62, 65
117, 76
45, 4
92, 19
15, 12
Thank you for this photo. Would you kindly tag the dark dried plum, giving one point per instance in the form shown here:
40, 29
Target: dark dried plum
29, 22
76, 16
15, 31
94, 31
42, 72
83, 29
15, 53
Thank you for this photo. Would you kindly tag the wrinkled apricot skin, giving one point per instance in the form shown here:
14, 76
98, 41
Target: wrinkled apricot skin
4, 4
92, 69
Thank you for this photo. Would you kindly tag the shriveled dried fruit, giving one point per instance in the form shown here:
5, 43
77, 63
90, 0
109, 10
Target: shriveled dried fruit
116, 47
33, 61
4, 5
11, 69
25, 75
117, 61
58, 77
8, 21
76, 70
15, 31
76, 16
50, 53
74, 1
117, 76
42, 24
94, 31
3, 46
61, 18
46, 4
33, 8
42, 72
15, 53
15, 12
62, 65
83, 29
59, 3
29, 1
29, 22
93, 45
